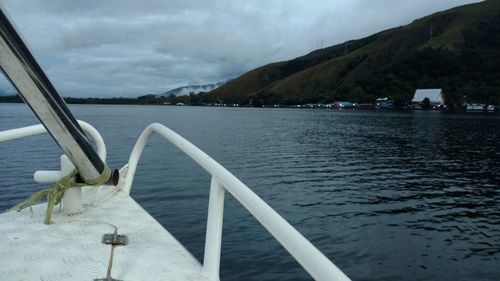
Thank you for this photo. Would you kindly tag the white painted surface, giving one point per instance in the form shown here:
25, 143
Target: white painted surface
71, 248
213, 239
72, 198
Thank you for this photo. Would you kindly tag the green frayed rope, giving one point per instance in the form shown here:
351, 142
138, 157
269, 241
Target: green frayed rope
55, 193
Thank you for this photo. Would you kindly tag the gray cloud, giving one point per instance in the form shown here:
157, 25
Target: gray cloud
130, 48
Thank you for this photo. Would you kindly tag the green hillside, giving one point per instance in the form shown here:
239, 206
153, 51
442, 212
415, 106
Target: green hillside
457, 50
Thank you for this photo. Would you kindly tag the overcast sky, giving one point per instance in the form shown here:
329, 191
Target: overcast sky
110, 48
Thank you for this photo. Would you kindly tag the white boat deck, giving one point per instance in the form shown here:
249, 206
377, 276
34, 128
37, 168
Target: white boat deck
71, 247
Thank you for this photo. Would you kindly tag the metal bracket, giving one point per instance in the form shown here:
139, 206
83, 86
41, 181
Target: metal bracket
114, 239
106, 279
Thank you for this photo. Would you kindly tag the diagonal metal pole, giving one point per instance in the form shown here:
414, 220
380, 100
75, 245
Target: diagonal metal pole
26, 75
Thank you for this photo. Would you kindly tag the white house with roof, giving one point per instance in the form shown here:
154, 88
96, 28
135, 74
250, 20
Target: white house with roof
435, 96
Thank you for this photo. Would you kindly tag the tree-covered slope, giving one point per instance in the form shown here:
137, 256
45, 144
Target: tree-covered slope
457, 50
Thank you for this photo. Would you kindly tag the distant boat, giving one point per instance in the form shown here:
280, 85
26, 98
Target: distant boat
385, 103
180, 104
491, 108
343, 105
476, 107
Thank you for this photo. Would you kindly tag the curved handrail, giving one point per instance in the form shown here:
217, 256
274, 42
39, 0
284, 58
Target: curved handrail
34, 130
308, 256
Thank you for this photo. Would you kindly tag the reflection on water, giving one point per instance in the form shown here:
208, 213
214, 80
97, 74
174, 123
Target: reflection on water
386, 196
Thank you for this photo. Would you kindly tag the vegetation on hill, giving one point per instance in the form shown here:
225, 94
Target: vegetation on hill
457, 50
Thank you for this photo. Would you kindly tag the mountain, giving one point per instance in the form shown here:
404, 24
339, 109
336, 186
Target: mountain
183, 91
457, 50
7, 92
5, 88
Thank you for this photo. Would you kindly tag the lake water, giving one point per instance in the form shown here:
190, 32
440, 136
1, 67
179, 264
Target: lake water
385, 195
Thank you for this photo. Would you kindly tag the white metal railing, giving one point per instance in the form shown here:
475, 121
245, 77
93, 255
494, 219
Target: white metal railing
34, 130
53, 176
72, 197
311, 259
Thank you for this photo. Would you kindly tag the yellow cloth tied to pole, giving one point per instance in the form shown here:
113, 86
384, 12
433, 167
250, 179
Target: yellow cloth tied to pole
55, 193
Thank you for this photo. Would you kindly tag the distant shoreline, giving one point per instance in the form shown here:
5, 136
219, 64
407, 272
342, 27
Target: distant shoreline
138, 101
